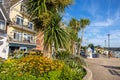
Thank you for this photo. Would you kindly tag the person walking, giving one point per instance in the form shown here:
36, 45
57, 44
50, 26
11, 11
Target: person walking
109, 54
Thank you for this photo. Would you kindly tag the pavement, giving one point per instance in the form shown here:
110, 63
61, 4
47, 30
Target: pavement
104, 68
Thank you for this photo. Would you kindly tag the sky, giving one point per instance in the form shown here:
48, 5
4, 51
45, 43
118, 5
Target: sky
104, 16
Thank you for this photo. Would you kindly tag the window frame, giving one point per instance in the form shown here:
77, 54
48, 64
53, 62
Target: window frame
18, 36
21, 20
29, 25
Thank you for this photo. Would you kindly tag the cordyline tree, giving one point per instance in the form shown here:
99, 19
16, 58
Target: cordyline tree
54, 34
46, 16
42, 11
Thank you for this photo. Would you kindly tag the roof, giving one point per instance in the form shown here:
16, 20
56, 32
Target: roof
14, 2
4, 12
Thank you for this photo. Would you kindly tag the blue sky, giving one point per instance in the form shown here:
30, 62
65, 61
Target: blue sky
104, 16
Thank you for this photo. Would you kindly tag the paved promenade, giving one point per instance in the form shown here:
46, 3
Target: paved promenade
104, 68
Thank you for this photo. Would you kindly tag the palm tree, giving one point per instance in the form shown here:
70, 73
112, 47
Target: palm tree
73, 38
83, 23
78, 42
56, 35
75, 26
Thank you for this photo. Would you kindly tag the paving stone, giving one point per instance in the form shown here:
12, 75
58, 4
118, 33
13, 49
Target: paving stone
104, 68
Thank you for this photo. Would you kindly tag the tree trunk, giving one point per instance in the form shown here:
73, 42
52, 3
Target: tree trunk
81, 40
78, 49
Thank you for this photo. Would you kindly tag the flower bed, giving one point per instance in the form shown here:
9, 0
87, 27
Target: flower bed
35, 67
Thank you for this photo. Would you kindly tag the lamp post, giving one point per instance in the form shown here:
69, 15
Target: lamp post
108, 40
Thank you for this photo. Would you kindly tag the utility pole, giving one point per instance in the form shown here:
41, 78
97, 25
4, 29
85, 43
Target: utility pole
108, 40
105, 43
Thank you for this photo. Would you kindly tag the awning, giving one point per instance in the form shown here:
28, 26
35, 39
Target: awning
21, 45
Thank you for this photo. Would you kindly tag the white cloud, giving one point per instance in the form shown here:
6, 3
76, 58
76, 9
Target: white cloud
115, 35
92, 29
66, 18
114, 20
100, 39
108, 22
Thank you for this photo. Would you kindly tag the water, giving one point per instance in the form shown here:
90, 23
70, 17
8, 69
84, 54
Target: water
116, 54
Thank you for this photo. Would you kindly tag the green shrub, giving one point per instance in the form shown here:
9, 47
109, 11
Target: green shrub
71, 74
73, 69
21, 54
62, 55
51, 75
67, 73
34, 67
77, 59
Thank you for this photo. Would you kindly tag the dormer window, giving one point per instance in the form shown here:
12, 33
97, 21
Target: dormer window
2, 25
30, 25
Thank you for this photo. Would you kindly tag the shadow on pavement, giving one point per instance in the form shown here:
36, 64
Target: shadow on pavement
113, 70
112, 67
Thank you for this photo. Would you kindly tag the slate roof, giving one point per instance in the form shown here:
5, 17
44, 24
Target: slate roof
14, 2
3, 10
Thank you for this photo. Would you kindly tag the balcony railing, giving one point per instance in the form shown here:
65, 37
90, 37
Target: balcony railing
20, 41
23, 26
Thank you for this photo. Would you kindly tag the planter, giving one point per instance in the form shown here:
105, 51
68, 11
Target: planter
88, 76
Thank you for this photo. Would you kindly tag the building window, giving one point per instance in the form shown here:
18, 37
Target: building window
2, 25
15, 35
19, 20
27, 38
18, 36
1, 1
30, 25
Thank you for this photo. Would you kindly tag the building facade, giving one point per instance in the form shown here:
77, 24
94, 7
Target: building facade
4, 21
21, 33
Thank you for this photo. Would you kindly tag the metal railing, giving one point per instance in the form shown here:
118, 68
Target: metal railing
23, 26
19, 40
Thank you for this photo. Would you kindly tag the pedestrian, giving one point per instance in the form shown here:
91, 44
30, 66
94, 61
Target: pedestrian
110, 54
